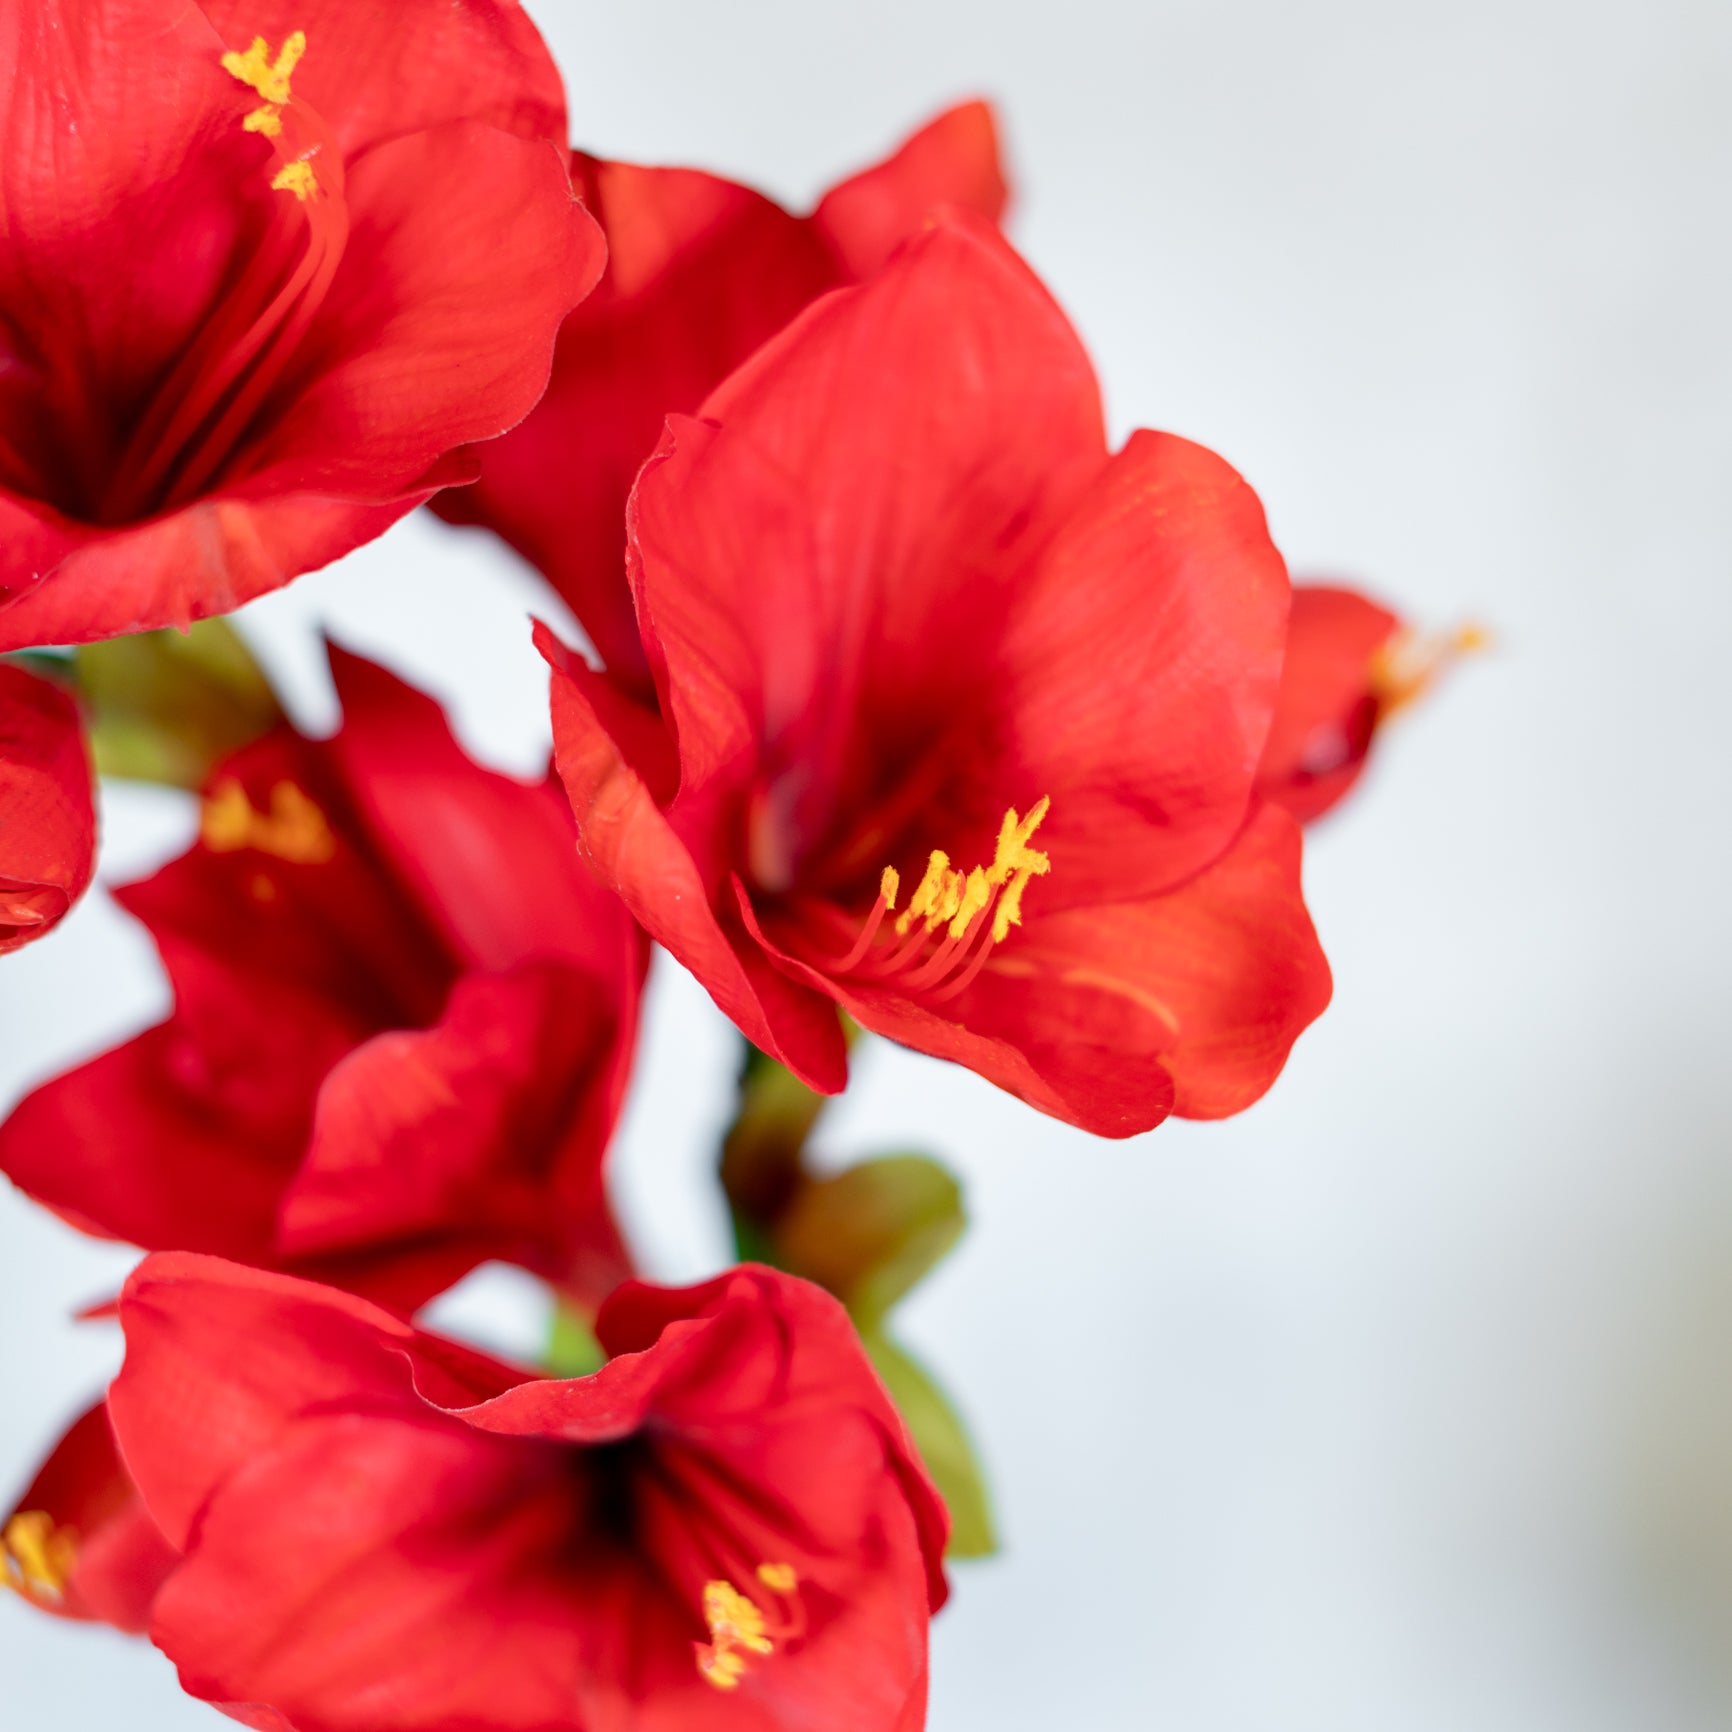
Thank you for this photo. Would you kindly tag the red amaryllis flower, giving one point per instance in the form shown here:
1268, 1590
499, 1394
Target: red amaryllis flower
700, 273
266, 266
404, 1014
79, 1543
961, 712
47, 815
725, 1527
1350, 666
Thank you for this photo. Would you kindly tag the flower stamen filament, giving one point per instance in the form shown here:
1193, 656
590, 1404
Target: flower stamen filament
975, 909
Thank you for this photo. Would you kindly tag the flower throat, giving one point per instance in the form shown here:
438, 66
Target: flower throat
204, 407
976, 909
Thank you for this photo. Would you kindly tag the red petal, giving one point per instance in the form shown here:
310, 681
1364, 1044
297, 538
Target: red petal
953, 160
47, 812
244, 1351
439, 326
700, 272
1138, 674
1229, 963
208, 559
492, 860
122, 1558
634, 850
488, 1128
825, 575
1327, 710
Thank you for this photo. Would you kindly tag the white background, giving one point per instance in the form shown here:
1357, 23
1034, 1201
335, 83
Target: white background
1405, 1401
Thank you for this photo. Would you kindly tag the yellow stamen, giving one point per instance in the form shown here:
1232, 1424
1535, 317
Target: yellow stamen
1408, 665
296, 177
294, 829
37, 1557
270, 78
888, 884
735, 1621
955, 900
256, 69
738, 1627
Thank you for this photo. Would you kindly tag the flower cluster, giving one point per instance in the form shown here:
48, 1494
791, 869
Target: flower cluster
908, 707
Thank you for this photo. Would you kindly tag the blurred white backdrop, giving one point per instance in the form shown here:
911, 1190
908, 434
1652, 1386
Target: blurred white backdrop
1405, 1401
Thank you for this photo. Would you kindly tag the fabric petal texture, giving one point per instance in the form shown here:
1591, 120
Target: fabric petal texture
953, 705
724, 1527
47, 807
404, 1021
302, 345
701, 272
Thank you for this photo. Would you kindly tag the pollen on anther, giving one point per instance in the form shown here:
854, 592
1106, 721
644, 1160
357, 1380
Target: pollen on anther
270, 78
888, 884
37, 1556
296, 177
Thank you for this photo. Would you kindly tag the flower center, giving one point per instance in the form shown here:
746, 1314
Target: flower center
739, 1626
294, 829
205, 405
37, 1557
976, 910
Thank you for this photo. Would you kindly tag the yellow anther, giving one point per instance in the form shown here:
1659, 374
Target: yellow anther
924, 903
294, 829
955, 900
296, 177
738, 1626
1408, 665
37, 1557
258, 71
1013, 853
888, 884
977, 890
270, 78
721, 1667
734, 1621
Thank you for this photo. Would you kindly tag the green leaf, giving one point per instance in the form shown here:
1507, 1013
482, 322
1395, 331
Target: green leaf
572, 1349
870, 1232
943, 1442
167, 706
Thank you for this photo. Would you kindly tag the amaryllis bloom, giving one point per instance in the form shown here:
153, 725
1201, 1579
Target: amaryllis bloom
700, 273
404, 1015
1351, 664
960, 712
47, 813
267, 267
726, 1527
79, 1544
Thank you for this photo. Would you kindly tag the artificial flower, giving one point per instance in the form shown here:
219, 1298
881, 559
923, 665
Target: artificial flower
78, 1543
958, 712
268, 268
700, 273
1350, 665
404, 1015
47, 813
724, 1527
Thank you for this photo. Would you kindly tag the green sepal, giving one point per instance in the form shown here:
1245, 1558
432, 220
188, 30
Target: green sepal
870, 1232
167, 706
943, 1442
572, 1349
